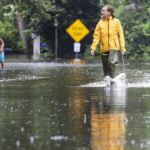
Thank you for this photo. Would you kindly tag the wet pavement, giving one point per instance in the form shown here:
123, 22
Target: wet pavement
50, 105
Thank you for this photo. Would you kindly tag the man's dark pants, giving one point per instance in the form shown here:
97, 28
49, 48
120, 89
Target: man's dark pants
108, 67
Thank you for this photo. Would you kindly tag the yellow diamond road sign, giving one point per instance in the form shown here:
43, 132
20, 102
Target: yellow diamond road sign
77, 30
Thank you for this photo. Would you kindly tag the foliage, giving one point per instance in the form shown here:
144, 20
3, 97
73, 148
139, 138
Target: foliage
32, 11
66, 13
10, 36
39, 18
136, 24
9, 33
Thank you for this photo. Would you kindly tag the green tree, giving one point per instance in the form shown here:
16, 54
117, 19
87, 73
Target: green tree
28, 12
9, 32
67, 12
135, 24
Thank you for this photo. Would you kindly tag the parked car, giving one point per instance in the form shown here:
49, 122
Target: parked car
8, 50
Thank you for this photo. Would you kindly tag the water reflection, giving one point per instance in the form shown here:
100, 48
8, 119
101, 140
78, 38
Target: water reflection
43, 106
108, 125
77, 61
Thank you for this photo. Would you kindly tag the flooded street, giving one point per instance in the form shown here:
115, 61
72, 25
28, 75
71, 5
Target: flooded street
51, 105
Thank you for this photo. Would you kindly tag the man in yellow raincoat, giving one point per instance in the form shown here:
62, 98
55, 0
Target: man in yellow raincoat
106, 32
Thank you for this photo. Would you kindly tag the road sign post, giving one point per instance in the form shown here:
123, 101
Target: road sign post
77, 49
56, 42
77, 31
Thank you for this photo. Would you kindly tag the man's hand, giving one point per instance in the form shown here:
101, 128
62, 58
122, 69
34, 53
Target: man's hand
123, 53
92, 52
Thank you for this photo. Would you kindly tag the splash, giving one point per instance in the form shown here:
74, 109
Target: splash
130, 85
118, 81
22, 78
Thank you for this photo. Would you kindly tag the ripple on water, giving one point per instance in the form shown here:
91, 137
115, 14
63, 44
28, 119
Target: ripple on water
22, 78
130, 85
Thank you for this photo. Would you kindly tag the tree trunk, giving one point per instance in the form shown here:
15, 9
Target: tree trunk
21, 28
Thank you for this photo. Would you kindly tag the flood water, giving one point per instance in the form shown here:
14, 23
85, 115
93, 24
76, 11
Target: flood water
51, 105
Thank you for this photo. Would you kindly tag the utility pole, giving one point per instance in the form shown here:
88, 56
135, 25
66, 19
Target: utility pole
56, 43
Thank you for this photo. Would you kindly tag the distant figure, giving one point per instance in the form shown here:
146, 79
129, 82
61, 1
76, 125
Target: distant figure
2, 53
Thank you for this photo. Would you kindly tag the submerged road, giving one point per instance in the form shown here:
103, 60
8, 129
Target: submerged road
65, 105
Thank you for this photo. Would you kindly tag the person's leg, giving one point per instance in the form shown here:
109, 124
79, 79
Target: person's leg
109, 68
2, 64
112, 60
105, 64
2, 60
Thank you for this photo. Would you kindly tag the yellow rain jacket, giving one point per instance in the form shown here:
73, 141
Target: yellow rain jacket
106, 31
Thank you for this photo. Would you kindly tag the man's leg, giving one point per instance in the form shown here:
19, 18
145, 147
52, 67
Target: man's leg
109, 68
112, 60
105, 64
2, 64
2, 59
